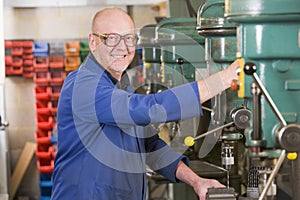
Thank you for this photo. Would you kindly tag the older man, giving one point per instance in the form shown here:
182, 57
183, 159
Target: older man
105, 139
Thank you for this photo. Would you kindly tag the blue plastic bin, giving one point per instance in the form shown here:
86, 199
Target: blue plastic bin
41, 49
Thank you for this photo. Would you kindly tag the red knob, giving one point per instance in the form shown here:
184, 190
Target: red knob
234, 85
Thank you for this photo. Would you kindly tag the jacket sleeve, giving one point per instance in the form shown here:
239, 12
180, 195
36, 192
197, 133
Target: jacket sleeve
117, 106
161, 157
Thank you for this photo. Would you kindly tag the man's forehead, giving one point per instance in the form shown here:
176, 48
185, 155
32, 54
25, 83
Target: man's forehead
115, 30
120, 27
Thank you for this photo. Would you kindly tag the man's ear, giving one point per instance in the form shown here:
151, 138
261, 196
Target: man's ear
92, 42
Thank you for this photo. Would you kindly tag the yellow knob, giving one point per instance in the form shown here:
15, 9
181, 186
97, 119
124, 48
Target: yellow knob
147, 65
292, 155
189, 141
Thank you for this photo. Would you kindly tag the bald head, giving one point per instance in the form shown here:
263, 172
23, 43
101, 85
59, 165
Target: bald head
108, 18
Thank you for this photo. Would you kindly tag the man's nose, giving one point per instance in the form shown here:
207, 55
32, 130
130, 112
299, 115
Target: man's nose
122, 43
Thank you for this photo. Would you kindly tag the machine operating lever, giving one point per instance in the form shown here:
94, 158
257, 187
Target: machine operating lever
180, 62
250, 69
212, 131
208, 109
273, 174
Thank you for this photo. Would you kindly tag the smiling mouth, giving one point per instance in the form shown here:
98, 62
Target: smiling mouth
119, 56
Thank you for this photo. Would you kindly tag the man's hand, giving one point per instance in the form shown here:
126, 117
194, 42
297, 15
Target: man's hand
200, 185
217, 82
229, 74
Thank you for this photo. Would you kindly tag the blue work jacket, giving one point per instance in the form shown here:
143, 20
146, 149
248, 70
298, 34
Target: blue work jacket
105, 141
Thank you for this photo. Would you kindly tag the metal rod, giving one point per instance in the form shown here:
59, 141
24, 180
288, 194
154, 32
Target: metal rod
273, 174
182, 73
256, 94
218, 113
269, 99
228, 181
180, 62
212, 131
208, 109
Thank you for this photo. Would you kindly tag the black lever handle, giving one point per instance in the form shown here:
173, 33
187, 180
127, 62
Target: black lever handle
250, 69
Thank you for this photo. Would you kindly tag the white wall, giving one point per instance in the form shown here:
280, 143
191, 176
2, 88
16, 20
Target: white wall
62, 22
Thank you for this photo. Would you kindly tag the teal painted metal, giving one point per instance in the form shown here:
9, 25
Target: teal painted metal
251, 9
211, 17
179, 39
268, 35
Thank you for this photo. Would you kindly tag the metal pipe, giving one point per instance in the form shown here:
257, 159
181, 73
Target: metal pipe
273, 174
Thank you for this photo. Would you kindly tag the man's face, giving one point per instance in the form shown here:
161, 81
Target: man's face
114, 59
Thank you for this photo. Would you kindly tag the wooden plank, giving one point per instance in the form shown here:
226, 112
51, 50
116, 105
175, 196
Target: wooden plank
22, 165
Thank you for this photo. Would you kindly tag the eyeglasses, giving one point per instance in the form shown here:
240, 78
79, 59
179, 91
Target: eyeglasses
113, 39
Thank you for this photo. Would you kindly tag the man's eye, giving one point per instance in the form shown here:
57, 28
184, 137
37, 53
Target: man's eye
112, 37
130, 37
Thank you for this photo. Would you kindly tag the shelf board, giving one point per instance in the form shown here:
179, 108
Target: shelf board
70, 3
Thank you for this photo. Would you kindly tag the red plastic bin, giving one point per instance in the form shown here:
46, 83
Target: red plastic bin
45, 166
28, 47
10, 70
17, 48
16, 67
13, 70
28, 57
8, 60
43, 136
57, 77
43, 107
42, 92
56, 62
55, 92
54, 104
27, 69
27, 62
41, 63
17, 61
17, 43
43, 151
8, 44
41, 77
45, 122
27, 73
